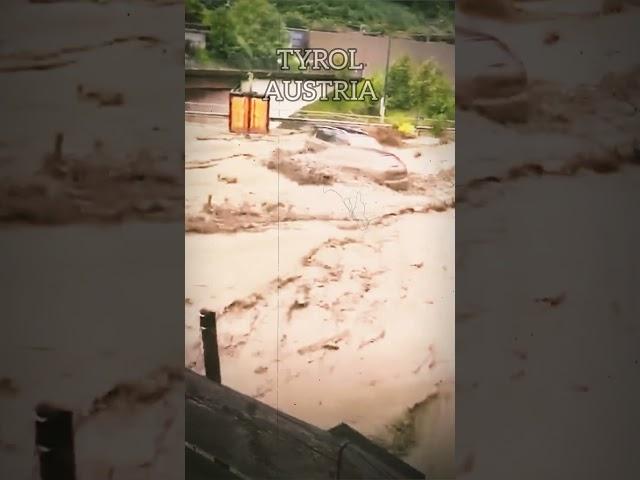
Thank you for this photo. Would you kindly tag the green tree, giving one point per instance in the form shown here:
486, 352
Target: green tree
432, 93
399, 84
194, 11
213, 4
247, 34
372, 107
221, 40
375, 15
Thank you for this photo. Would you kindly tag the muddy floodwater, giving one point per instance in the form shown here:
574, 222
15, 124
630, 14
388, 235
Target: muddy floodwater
108, 367
335, 300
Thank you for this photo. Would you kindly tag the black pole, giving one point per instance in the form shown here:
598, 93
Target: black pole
54, 441
210, 345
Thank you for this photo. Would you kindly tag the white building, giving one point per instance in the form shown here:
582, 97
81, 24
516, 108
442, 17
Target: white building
298, 38
196, 36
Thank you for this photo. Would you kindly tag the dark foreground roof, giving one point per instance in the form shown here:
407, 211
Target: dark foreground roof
230, 435
383, 457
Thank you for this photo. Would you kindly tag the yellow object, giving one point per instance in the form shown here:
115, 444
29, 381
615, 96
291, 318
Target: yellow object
248, 113
407, 130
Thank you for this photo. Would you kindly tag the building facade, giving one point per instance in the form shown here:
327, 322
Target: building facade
195, 36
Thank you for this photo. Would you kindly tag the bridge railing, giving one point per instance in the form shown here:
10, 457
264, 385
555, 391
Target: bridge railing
222, 110
358, 117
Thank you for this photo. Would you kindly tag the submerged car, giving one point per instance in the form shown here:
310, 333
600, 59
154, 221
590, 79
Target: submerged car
353, 150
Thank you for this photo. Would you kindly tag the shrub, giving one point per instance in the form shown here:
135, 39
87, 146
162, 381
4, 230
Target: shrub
432, 93
324, 25
407, 130
439, 127
201, 56
295, 20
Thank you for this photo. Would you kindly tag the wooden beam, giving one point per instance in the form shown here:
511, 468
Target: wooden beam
199, 467
260, 442
345, 433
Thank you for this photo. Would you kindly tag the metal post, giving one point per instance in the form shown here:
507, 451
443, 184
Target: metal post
383, 100
210, 345
54, 441
57, 152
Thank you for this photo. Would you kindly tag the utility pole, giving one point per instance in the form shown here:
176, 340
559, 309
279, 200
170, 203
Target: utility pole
384, 88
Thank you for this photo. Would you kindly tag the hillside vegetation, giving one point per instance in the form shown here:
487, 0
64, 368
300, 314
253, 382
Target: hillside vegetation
384, 16
400, 17
416, 94
246, 33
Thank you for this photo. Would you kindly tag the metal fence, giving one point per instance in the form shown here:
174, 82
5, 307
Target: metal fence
222, 110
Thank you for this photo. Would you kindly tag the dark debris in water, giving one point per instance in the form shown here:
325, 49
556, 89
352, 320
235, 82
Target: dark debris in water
69, 190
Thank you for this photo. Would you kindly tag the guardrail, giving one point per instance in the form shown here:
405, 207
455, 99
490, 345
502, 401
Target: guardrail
358, 117
222, 110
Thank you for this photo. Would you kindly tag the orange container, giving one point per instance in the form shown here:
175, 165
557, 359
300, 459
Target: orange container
248, 113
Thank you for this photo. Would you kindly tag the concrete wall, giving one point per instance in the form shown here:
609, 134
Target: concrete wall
372, 51
218, 97
211, 81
